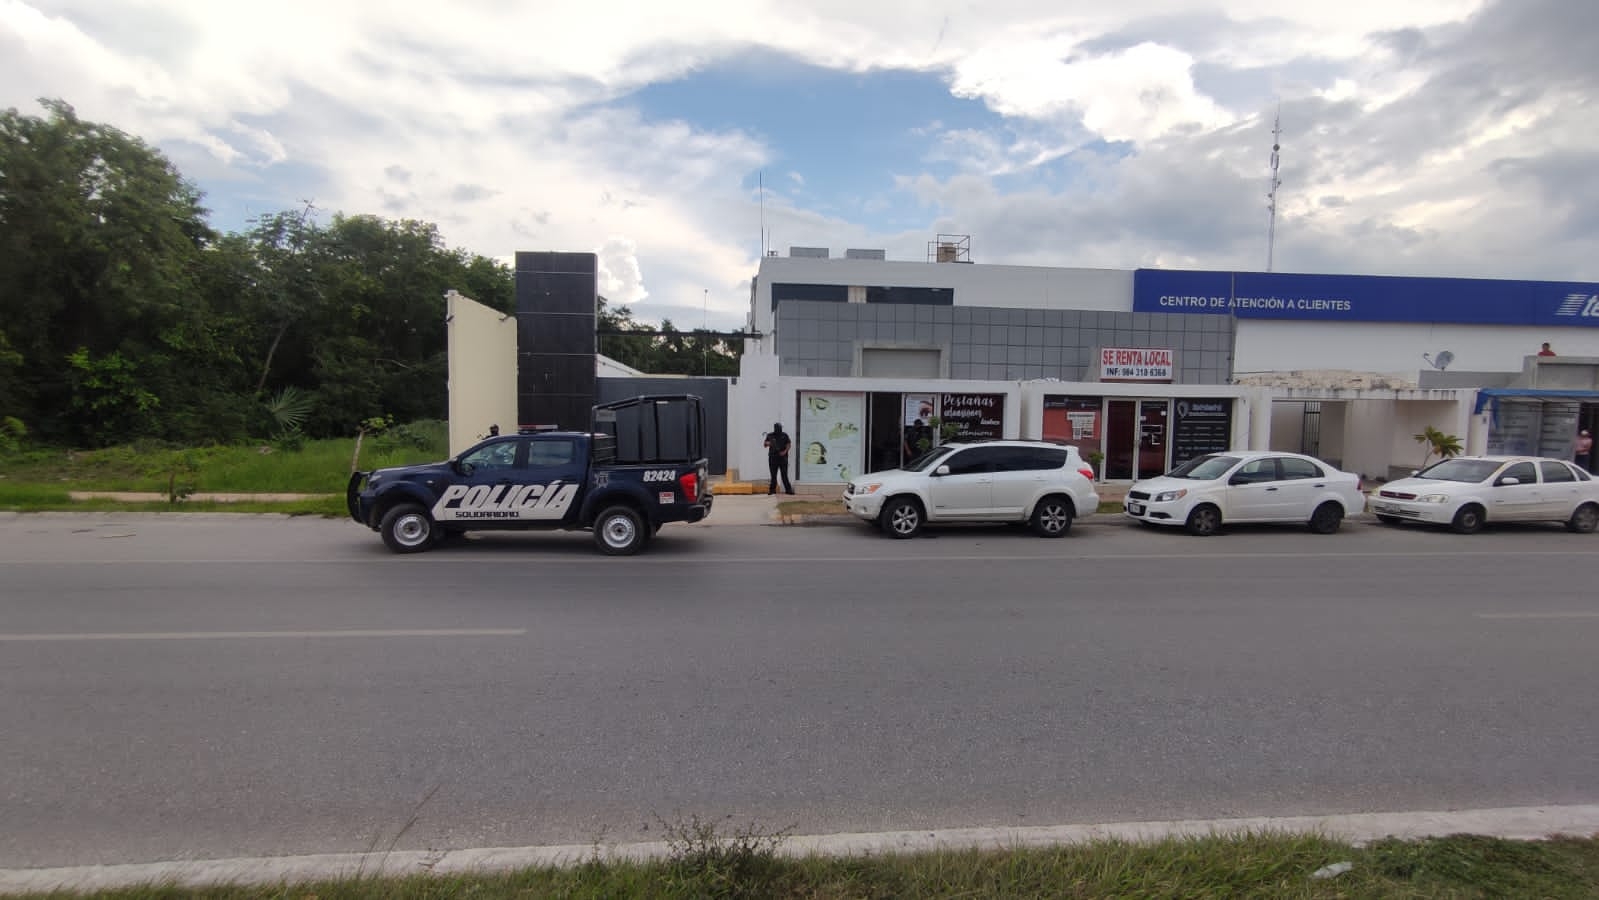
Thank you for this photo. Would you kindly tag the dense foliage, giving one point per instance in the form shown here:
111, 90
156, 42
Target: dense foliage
124, 314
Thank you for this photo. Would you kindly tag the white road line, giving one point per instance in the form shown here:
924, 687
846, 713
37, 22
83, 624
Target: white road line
481, 559
229, 635
1540, 615
1516, 823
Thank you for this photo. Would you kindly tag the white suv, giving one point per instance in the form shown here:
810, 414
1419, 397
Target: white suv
1045, 485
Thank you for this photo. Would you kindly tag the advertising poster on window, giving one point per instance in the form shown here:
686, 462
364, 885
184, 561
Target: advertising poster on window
1146, 364
1203, 426
827, 442
1079, 421
975, 417
920, 406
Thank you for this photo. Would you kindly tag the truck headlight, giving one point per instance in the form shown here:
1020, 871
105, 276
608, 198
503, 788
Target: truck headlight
1169, 496
871, 488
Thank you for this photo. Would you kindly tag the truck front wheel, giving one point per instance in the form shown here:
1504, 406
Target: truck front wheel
406, 528
620, 531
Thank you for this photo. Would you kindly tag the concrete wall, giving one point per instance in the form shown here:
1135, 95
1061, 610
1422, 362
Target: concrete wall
1287, 425
481, 343
1019, 287
1396, 348
822, 339
1412, 417
761, 397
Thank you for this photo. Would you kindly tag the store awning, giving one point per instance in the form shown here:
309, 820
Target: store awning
1486, 396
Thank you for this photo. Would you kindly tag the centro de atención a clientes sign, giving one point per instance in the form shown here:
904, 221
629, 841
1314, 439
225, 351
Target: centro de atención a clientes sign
1367, 298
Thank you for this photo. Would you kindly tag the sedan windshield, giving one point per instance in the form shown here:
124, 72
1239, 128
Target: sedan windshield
1468, 470
1204, 468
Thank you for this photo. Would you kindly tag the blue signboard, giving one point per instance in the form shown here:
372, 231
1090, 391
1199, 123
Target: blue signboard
1366, 298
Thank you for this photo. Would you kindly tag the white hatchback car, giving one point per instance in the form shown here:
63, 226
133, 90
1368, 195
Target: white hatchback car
1247, 486
1042, 484
1467, 491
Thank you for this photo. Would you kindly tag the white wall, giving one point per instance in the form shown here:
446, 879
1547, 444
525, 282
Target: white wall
761, 399
1019, 287
1411, 417
1287, 425
1396, 348
481, 344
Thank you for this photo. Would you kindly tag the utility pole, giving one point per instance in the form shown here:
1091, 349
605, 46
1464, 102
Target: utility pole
1271, 195
705, 330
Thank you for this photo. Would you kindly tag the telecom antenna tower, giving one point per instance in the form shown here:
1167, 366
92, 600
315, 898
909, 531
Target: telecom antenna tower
1271, 195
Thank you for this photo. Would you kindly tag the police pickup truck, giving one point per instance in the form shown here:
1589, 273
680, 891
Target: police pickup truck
639, 467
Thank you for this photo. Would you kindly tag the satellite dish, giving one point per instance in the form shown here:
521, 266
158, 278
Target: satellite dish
1441, 361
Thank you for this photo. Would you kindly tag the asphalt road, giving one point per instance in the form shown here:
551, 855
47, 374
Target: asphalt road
191, 687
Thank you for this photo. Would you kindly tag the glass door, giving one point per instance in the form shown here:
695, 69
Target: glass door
1152, 443
1121, 438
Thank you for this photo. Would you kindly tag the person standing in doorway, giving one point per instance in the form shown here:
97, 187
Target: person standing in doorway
777, 445
1584, 450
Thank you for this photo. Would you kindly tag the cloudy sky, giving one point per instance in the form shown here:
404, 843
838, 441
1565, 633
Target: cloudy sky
1452, 137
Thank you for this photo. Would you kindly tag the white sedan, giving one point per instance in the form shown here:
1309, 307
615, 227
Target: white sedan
1467, 491
1247, 486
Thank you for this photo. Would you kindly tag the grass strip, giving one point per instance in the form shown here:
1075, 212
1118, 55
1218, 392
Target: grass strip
1250, 866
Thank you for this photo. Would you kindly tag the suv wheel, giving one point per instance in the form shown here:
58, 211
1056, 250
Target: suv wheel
1052, 517
406, 528
901, 518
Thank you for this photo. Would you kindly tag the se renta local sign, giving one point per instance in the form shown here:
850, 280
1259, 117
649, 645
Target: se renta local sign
1367, 298
1135, 364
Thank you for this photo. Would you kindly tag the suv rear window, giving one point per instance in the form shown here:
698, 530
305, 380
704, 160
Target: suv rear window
1027, 459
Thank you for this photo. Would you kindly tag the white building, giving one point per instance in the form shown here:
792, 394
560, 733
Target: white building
1151, 367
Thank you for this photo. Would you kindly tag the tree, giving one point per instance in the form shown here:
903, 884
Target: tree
100, 237
1445, 445
664, 350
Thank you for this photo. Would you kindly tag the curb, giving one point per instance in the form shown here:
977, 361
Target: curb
1510, 823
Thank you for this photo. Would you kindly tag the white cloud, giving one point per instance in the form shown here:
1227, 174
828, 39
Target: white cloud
495, 119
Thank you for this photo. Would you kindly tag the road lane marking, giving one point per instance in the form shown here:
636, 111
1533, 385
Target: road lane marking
1540, 615
251, 635
479, 559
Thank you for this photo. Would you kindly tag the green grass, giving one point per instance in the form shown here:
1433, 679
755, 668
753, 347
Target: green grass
1255, 866
317, 467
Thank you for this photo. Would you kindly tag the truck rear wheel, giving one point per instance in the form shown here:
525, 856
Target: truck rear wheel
620, 531
406, 528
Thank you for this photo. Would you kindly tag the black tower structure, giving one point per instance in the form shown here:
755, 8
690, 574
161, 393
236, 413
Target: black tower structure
556, 296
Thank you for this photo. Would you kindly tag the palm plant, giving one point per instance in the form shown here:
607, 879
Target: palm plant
1445, 445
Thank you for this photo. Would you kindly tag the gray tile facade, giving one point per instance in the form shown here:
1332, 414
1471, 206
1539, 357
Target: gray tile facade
820, 339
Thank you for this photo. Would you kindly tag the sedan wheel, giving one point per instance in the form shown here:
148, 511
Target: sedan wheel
1326, 518
1585, 519
1204, 521
1468, 520
902, 519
